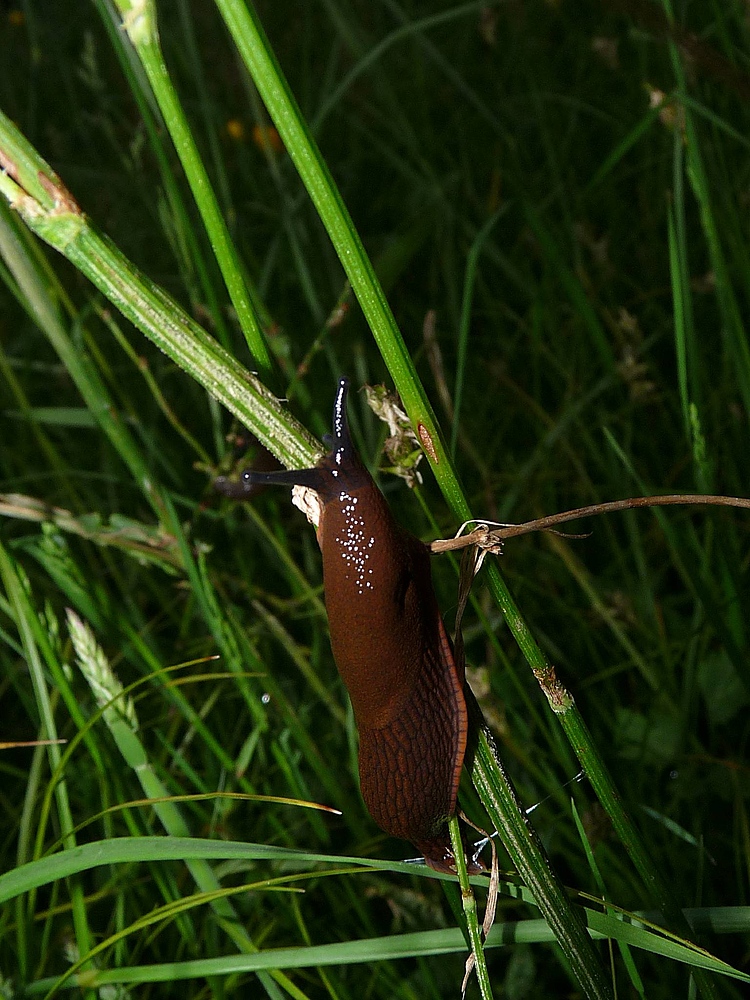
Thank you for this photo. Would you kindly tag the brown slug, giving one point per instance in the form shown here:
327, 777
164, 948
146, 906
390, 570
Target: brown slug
390, 647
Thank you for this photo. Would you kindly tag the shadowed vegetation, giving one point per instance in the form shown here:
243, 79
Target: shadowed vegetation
555, 199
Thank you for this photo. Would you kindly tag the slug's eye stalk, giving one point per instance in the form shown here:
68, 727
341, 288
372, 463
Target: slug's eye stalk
342, 441
249, 479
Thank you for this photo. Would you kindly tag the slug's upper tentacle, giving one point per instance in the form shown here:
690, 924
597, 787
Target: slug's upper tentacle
342, 462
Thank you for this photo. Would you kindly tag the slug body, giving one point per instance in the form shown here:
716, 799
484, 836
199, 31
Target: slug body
390, 647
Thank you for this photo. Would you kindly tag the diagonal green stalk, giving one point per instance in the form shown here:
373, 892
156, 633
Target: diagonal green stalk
139, 21
34, 191
250, 39
527, 854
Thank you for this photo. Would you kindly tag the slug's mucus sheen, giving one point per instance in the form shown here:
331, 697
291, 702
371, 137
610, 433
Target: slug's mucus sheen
390, 647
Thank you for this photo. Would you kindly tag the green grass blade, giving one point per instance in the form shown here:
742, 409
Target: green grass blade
139, 21
256, 52
472, 264
123, 728
16, 589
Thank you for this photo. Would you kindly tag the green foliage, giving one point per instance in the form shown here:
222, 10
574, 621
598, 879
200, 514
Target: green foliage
566, 185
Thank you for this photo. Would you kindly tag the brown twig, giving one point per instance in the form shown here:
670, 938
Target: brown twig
31, 743
492, 538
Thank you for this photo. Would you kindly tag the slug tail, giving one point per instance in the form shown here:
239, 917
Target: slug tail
438, 854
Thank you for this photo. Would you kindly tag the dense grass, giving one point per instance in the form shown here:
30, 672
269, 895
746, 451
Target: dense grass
586, 254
